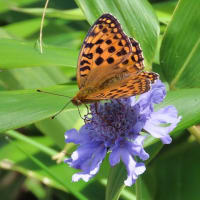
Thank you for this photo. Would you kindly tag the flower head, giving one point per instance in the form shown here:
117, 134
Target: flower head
115, 127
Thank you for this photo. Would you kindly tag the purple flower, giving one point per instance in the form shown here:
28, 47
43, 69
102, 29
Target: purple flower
115, 127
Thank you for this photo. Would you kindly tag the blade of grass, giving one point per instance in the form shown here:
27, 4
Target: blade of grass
51, 174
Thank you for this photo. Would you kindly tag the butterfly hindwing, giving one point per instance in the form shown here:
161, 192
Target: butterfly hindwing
105, 46
131, 86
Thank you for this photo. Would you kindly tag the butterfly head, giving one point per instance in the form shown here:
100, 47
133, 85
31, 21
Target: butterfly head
76, 101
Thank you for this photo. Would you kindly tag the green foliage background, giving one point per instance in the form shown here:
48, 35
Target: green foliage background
169, 34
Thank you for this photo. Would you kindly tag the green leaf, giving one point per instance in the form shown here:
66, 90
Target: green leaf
20, 108
33, 162
174, 174
72, 39
181, 46
36, 188
57, 127
115, 183
136, 17
32, 142
18, 156
142, 192
6, 5
164, 10
15, 54
39, 77
24, 28
32, 78
73, 14
4, 34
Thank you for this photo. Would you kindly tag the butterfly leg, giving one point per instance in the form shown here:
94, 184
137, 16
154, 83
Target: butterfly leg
86, 116
80, 113
88, 110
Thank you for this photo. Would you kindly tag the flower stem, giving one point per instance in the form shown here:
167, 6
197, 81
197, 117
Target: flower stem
115, 183
138, 189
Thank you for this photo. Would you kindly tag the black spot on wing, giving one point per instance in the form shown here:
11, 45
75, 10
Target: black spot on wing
99, 60
115, 95
120, 43
89, 55
84, 68
100, 41
110, 60
105, 30
83, 62
99, 50
115, 37
113, 90
108, 41
111, 49
122, 52
89, 45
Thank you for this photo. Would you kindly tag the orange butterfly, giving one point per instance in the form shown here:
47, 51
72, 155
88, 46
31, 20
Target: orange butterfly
110, 64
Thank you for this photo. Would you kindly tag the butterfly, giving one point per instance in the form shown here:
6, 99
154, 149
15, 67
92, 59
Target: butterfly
110, 64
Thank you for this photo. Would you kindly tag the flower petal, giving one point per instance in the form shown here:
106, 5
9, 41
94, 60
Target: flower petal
162, 122
136, 149
87, 158
133, 169
154, 96
78, 137
125, 150
114, 157
81, 175
72, 136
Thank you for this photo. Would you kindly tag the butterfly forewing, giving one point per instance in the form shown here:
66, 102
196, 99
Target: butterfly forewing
134, 63
104, 47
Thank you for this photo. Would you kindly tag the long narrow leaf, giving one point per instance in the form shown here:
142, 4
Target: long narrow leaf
181, 46
15, 54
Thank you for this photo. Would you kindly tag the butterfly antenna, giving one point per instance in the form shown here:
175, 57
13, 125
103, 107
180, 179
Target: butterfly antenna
61, 110
53, 93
